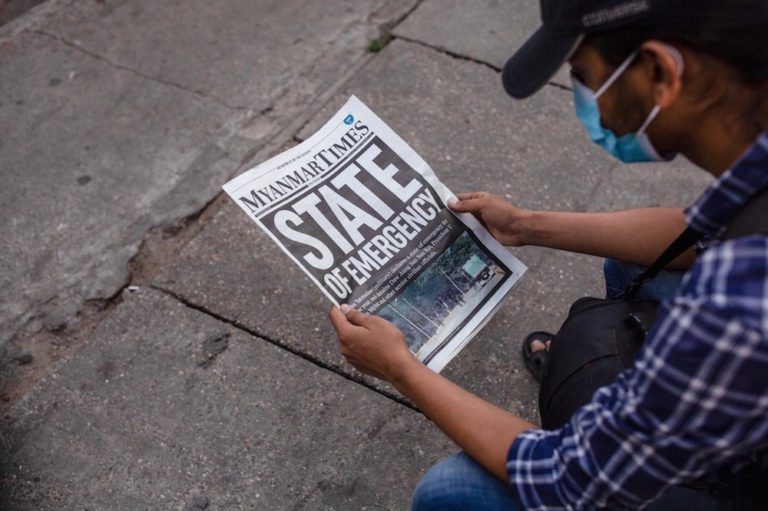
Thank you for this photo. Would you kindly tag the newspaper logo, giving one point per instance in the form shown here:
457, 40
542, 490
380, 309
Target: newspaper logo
349, 119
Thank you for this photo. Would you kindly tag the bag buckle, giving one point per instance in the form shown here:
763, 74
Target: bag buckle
632, 289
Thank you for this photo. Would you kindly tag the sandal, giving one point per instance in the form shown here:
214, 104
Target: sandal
536, 362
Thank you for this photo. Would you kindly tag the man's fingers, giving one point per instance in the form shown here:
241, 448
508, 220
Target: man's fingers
338, 319
468, 202
467, 205
469, 195
345, 318
355, 316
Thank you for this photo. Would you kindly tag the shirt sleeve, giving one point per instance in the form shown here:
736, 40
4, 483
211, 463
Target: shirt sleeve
696, 399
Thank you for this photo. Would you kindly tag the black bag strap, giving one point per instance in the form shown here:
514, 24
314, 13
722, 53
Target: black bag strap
751, 219
676, 249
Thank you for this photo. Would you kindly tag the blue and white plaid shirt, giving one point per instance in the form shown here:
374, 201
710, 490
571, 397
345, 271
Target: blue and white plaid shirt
696, 400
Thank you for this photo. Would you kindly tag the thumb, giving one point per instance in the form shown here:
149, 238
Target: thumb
456, 205
338, 319
358, 318
355, 316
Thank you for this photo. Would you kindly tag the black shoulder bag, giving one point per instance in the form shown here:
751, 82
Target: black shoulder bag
601, 338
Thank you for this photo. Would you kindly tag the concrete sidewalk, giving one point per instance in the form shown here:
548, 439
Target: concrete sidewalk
148, 361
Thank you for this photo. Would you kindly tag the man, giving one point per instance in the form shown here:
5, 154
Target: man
651, 79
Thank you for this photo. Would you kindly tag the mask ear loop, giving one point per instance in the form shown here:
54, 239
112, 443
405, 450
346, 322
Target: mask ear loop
678, 58
676, 55
616, 74
649, 120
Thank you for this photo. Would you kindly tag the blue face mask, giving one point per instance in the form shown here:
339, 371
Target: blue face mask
629, 148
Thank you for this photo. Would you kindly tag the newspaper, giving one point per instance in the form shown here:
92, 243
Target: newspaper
365, 217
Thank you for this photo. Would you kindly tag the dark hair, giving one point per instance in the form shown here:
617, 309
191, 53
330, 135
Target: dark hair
735, 32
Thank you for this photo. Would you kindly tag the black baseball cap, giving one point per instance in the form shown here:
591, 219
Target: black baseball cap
565, 23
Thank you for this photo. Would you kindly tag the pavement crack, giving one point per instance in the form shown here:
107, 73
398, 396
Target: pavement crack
446, 51
387, 27
276, 342
466, 58
198, 92
560, 86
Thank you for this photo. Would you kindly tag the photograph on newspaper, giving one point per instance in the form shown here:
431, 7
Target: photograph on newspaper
366, 218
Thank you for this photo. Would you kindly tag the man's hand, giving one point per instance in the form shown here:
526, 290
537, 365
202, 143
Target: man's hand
372, 344
503, 220
376, 347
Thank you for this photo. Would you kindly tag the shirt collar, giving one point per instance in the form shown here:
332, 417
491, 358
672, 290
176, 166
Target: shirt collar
713, 211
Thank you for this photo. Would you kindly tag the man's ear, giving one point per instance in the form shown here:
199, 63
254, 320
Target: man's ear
667, 67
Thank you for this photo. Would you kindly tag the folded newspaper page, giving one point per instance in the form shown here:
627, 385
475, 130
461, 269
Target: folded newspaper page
365, 217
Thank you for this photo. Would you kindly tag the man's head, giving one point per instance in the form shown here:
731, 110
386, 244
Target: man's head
715, 26
722, 44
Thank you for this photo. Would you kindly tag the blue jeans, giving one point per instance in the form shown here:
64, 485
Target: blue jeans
618, 275
460, 483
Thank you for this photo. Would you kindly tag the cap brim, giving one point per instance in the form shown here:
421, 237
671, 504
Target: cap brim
536, 62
